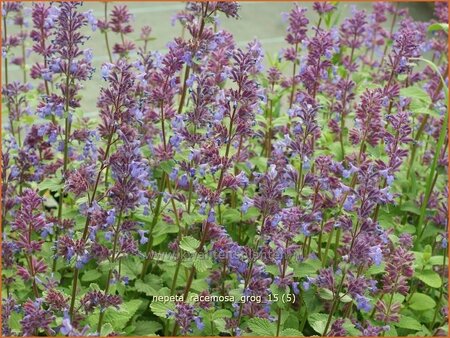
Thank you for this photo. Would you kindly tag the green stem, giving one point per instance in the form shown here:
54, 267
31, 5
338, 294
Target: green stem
294, 70
24, 64
65, 158
188, 69
86, 225
335, 304
390, 35
165, 182
108, 280
206, 230
327, 248
248, 277
152, 226
283, 274
441, 293
429, 183
106, 34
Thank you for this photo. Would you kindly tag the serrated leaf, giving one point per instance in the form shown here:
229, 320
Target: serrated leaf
307, 268
272, 269
91, 275
350, 328
409, 323
392, 332
262, 327
131, 267
189, 244
251, 213
376, 269
162, 228
222, 313
203, 264
160, 309
421, 302
318, 322
167, 166
281, 121
411, 207
259, 162
430, 278
291, 333
118, 318
326, 294
291, 192
106, 329
14, 321
415, 93
231, 215
94, 287
52, 184
344, 298
144, 327
145, 288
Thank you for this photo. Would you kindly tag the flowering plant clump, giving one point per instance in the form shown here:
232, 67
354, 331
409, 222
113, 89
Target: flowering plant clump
218, 191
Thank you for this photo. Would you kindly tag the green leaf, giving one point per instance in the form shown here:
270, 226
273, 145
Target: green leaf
430, 278
415, 93
442, 135
318, 322
376, 269
49, 201
94, 287
190, 219
222, 313
291, 192
281, 121
421, 302
307, 268
118, 318
91, 275
189, 244
131, 267
106, 329
52, 184
262, 327
409, 323
167, 166
438, 27
427, 251
411, 207
144, 327
326, 294
162, 228
145, 288
259, 162
436, 260
203, 263
291, 333
231, 216
14, 321
160, 309
273, 269
344, 298
392, 332
350, 328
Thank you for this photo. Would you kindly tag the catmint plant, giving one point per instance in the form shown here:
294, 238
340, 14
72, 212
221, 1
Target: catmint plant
218, 191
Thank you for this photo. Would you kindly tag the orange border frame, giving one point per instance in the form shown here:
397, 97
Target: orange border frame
171, 1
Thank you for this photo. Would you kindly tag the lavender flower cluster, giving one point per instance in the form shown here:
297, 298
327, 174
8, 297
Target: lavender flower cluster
220, 192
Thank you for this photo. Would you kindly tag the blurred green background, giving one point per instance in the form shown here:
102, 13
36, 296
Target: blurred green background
261, 20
